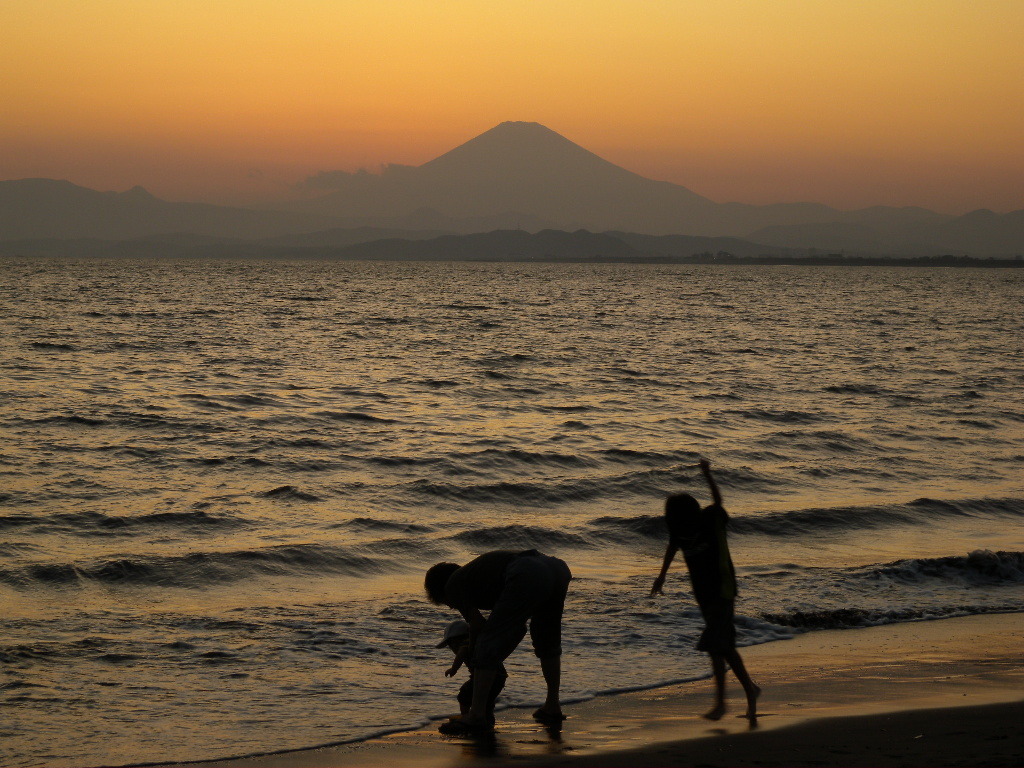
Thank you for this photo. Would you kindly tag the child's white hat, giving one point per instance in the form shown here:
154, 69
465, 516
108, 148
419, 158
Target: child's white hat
458, 628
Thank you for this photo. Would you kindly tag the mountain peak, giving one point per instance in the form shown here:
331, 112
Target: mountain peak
515, 149
138, 193
522, 126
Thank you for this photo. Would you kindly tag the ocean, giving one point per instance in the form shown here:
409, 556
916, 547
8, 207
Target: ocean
221, 481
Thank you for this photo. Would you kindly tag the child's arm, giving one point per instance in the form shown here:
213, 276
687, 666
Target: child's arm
716, 496
659, 582
460, 658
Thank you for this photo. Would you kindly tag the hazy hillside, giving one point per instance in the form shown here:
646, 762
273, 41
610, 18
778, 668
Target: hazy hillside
983, 230
41, 208
341, 237
980, 233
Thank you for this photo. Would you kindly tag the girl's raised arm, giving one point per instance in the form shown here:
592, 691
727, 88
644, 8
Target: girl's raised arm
716, 496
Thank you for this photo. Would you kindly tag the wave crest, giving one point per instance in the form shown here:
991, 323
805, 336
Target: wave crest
981, 567
199, 569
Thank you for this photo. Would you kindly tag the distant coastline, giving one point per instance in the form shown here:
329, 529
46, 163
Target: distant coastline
833, 260
546, 246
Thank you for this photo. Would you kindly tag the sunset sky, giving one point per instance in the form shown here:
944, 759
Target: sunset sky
892, 102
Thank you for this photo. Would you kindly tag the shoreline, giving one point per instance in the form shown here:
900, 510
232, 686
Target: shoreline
938, 692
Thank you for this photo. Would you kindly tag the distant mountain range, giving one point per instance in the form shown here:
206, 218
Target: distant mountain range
516, 176
45, 208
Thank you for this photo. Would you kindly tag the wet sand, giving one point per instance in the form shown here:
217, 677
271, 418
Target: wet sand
931, 693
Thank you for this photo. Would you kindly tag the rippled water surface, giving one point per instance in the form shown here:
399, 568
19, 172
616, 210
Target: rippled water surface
220, 482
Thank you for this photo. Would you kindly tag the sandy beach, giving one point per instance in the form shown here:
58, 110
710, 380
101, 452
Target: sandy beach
935, 693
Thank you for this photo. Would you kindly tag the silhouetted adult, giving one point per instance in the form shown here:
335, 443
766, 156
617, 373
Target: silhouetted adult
516, 587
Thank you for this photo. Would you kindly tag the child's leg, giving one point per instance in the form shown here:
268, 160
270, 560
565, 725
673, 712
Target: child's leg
718, 669
751, 690
465, 697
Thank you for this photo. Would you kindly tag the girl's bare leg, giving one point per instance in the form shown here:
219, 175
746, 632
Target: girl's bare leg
749, 688
718, 669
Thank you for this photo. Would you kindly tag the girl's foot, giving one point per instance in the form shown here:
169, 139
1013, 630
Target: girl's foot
716, 712
548, 717
752, 696
460, 727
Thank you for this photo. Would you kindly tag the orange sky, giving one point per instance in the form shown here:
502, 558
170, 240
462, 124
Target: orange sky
895, 102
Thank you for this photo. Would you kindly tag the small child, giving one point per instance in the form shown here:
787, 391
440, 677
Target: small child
456, 638
700, 533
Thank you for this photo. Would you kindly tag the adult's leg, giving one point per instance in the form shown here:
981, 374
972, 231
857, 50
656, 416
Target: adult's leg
498, 684
546, 634
483, 681
551, 668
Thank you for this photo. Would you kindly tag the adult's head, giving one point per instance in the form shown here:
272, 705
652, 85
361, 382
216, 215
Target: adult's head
682, 515
437, 579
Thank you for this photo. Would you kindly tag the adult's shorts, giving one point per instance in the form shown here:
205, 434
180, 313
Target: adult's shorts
534, 591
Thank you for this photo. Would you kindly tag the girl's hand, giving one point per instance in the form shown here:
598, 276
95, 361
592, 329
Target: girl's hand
450, 672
